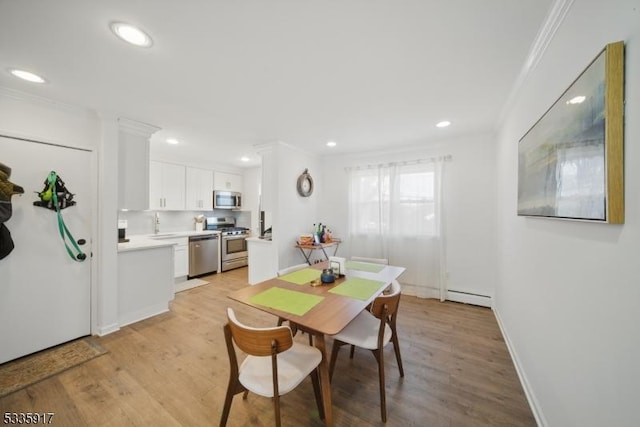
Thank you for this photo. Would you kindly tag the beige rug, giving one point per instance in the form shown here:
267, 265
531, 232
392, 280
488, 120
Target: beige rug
20, 373
188, 284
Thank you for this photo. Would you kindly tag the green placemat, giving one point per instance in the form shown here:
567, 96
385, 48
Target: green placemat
301, 277
293, 302
357, 288
364, 266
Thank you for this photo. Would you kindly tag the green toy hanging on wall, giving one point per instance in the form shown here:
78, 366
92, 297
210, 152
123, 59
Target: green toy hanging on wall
56, 197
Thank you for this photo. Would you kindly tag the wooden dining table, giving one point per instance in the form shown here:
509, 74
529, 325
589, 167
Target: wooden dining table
331, 310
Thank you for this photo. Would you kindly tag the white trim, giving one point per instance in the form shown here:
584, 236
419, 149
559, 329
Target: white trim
109, 329
143, 314
40, 100
555, 17
481, 300
40, 140
526, 386
136, 127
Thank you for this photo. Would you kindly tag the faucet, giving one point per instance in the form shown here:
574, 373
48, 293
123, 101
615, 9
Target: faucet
156, 223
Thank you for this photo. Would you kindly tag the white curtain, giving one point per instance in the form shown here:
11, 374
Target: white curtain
395, 213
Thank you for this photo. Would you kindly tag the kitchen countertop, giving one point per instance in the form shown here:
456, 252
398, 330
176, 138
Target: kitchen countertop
148, 241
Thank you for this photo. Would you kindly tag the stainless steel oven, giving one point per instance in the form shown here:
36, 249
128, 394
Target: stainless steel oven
233, 242
234, 251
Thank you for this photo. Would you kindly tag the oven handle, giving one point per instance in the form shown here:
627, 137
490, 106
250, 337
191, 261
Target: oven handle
234, 237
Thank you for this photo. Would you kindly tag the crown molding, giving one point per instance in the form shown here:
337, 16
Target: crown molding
136, 127
17, 95
556, 15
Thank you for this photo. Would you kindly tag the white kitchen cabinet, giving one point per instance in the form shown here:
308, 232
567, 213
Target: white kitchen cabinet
133, 164
180, 256
199, 190
227, 181
166, 186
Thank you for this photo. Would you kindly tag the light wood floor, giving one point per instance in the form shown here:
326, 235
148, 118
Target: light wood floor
173, 369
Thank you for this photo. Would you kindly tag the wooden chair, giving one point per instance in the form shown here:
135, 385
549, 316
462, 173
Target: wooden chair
372, 260
274, 364
373, 330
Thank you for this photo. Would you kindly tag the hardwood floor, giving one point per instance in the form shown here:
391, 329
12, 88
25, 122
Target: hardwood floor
172, 370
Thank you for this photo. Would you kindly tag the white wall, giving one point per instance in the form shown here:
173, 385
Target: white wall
293, 214
469, 204
568, 292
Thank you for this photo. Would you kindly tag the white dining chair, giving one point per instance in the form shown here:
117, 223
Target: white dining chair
274, 364
373, 331
372, 260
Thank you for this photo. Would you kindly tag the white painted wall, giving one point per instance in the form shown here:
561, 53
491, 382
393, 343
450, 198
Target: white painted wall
469, 204
568, 292
293, 214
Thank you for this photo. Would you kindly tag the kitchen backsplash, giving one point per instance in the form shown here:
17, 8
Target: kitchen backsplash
142, 222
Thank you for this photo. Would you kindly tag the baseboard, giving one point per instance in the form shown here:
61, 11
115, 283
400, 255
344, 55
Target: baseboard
528, 391
108, 329
467, 298
144, 313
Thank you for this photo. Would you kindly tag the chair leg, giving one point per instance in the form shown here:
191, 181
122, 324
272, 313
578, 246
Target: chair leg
396, 348
276, 407
315, 380
383, 396
353, 350
234, 388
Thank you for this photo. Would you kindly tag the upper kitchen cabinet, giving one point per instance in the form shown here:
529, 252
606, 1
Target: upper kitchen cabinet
133, 164
166, 186
199, 192
227, 182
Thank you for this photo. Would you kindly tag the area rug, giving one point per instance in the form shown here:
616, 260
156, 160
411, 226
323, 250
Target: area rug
20, 373
188, 284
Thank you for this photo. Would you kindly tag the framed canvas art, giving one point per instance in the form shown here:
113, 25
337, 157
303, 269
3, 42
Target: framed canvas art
570, 163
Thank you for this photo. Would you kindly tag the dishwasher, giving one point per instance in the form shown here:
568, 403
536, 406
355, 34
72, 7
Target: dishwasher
203, 255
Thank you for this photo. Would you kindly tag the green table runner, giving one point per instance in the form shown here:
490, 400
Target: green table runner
357, 288
293, 302
303, 276
364, 266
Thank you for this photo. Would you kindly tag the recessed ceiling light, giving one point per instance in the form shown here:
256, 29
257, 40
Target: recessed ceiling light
443, 124
331, 144
577, 99
172, 141
131, 34
26, 75
244, 159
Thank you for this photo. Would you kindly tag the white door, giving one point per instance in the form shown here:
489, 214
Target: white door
45, 296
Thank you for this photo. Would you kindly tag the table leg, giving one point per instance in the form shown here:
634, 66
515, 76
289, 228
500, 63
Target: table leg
325, 385
306, 257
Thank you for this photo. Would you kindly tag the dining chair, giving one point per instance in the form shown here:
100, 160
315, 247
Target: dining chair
373, 260
274, 364
373, 330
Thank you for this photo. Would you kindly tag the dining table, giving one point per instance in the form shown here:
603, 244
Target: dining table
321, 309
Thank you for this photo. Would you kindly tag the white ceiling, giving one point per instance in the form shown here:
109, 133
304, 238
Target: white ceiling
224, 75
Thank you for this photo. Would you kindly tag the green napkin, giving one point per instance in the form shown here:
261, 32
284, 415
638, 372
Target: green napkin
293, 302
301, 277
364, 266
357, 288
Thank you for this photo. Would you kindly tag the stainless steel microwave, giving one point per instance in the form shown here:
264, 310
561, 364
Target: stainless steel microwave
227, 200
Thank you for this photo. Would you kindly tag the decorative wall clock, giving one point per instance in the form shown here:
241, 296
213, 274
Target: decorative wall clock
305, 184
